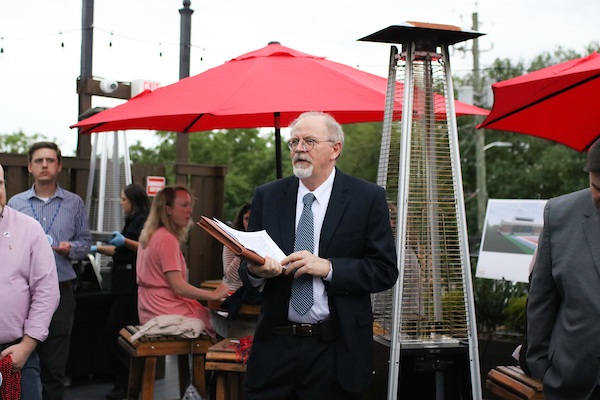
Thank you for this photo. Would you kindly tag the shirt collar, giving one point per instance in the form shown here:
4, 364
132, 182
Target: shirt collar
60, 193
322, 191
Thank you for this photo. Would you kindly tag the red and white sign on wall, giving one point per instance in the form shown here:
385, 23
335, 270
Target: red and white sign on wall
139, 85
155, 184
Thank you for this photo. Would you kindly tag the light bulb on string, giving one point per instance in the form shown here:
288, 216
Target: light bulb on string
62, 41
2, 45
160, 48
110, 43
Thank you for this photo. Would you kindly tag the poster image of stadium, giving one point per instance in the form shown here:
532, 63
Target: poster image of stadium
509, 240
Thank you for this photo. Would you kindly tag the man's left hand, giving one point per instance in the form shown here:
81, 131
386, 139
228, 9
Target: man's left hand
304, 262
63, 249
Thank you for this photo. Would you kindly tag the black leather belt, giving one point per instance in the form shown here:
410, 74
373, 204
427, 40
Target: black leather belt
298, 329
326, 329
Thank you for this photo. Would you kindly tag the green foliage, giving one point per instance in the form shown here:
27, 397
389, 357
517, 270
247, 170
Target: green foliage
18, 142
516, 314
560, 55
491, 298
502, 70
249, 157
360, 156
527, 170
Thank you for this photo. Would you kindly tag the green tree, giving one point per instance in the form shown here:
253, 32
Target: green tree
360, 156
249, 156
18, 142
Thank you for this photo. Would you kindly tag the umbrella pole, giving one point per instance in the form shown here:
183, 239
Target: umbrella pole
278, 145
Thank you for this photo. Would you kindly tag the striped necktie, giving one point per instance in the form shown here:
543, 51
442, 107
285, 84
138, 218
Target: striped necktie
302, 287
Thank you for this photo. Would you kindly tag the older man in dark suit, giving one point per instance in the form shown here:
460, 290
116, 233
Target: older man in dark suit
563, 312
314, 334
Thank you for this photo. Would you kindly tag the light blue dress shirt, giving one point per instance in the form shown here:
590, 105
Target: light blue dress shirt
63, 218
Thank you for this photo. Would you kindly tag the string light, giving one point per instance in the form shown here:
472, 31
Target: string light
110, 44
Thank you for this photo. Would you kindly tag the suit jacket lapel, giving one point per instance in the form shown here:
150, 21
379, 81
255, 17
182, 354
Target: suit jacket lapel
287, 216
591, 227
335, 210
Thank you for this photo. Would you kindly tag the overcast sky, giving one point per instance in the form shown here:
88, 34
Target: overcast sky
38, 75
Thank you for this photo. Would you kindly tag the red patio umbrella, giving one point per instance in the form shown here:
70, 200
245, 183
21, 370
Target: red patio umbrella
264, 88
559, 103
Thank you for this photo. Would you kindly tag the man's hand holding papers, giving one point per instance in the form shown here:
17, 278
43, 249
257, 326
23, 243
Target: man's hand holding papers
252, 246
259, 242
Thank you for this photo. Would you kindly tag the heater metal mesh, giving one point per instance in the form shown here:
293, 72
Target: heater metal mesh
432, 284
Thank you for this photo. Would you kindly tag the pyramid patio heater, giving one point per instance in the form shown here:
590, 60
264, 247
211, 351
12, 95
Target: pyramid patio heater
110, 172
428, 318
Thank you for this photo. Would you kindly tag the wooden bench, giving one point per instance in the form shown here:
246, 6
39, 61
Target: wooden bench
512, 384
222, 359
145, 351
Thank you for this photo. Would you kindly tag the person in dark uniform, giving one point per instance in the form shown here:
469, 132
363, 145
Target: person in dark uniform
123, 249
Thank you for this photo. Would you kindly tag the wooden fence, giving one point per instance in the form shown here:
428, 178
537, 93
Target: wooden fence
207, 183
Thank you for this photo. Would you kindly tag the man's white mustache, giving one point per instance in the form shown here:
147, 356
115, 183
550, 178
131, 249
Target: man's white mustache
300, 158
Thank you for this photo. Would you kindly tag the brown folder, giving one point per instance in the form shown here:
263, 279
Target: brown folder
218, 233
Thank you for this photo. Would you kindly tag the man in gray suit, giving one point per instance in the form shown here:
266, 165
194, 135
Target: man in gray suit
563, 311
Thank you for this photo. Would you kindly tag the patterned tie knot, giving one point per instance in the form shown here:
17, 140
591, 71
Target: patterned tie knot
308, 199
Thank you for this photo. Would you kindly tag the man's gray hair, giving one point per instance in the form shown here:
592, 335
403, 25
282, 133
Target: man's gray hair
334, 129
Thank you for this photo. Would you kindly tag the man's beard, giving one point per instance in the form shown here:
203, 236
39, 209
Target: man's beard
302, 173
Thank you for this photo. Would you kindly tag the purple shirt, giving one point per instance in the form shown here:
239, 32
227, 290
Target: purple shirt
29, 292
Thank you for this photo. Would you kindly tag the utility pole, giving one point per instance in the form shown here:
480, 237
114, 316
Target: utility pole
84, 146
182, 139
482, 195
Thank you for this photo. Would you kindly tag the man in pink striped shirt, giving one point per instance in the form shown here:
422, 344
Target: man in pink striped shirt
29, 290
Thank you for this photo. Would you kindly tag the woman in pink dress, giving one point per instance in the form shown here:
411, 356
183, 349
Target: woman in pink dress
161, 268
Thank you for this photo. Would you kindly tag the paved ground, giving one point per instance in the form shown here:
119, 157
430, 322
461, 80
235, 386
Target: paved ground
96, 388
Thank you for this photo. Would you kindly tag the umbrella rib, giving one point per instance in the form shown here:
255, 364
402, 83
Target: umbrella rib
89, 130
187, 129
591, 78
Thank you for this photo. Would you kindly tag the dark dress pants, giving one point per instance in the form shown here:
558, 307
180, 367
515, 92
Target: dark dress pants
123, 312
54, 351
305, 371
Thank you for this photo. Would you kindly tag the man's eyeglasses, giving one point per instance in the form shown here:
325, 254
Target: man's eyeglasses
307, 144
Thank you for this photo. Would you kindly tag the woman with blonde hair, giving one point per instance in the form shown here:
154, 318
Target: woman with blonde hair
161, 268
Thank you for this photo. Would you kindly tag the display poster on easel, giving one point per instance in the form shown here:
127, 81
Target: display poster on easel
510, 238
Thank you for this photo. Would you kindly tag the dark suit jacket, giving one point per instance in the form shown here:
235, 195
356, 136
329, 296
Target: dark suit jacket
357, 238
563, 310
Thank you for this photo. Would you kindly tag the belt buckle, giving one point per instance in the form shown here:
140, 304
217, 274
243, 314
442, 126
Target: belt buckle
297, 332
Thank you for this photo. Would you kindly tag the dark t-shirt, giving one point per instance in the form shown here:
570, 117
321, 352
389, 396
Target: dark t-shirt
123, 271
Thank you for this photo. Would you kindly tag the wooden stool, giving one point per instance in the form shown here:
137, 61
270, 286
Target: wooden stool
511, 383
221, 358
144, 352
